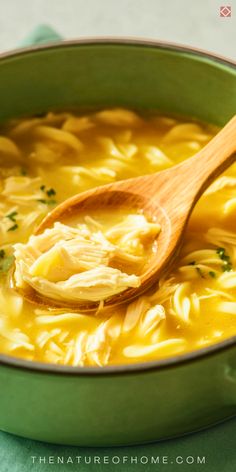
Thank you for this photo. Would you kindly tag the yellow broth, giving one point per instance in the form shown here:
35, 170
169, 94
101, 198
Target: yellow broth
48, 159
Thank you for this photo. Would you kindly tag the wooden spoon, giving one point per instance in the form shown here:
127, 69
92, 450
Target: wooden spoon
168, 196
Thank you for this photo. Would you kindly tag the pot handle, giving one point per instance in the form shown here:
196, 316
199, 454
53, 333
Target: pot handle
40, 35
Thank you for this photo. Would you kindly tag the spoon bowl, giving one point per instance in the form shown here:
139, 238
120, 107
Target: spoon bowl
168, 197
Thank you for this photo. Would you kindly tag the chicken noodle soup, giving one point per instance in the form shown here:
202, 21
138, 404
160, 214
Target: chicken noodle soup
45, 160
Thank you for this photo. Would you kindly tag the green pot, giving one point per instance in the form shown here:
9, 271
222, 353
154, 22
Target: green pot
136, 403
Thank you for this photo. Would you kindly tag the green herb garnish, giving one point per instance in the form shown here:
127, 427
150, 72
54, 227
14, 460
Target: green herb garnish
220, 251
23, 171
2, 253
227, 267
47, 202
212, 274
12, 216
13, 228
200, 272
51, 192
227, 264
6, 264
51, 202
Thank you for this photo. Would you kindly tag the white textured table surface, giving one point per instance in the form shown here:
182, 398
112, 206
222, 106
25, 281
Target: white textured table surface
193, 22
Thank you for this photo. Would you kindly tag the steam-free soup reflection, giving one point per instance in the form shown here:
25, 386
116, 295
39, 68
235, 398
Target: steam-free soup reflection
46, 160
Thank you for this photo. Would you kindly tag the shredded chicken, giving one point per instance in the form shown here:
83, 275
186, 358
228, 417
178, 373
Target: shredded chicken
74, 263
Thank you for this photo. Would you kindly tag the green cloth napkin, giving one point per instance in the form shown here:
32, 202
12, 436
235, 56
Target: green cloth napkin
216, 445
41, 34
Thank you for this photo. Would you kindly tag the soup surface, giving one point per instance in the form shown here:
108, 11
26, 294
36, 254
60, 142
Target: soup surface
45, 160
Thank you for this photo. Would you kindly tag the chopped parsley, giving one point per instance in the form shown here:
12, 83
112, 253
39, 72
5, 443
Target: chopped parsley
227, 267
47, 201
6, 262
41, 200
12, 216
23, 171
14, 227
51, 192
227, 264
198, 269
200, 272
220, 251
2, 253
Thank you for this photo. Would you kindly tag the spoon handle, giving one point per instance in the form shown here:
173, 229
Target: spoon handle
183, 184
199, 171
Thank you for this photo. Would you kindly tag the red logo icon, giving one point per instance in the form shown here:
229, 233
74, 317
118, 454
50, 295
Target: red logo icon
225, 11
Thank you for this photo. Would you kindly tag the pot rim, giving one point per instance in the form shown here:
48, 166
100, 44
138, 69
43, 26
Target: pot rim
122, 41
169, 362
119, 369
